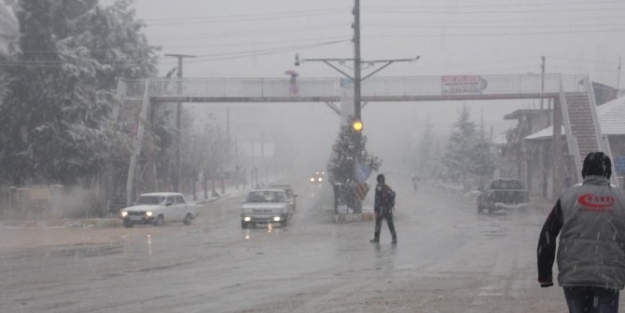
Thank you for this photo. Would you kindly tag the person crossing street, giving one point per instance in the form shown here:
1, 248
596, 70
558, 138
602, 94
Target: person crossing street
590, 220
384, 205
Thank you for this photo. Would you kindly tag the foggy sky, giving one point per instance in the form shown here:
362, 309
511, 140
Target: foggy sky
452, 37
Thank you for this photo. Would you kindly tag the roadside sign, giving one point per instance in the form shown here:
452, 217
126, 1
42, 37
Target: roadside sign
345, 83
619, 165
361, 190
362, 172
463, 84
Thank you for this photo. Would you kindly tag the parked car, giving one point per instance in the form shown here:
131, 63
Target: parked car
502, 194
291, 196
266, 206
157, 208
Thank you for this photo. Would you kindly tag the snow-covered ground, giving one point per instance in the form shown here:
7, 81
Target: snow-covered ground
449, 259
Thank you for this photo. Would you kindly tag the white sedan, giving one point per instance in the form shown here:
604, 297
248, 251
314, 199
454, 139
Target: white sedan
157, 208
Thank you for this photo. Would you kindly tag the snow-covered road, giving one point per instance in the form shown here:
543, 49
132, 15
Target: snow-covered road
449, 259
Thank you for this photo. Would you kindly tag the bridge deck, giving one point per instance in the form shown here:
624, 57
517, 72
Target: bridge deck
388, 89
205, 99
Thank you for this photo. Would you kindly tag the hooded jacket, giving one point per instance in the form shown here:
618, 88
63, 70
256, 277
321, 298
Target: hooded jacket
590, 219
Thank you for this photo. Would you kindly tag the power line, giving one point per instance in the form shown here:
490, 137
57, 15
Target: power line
581, 60
248, 43
269, 50
499, 34
490, 26
266, 15
454, 12
507, 5
240, 55
528, 19
281, 30
206, 58
212, 21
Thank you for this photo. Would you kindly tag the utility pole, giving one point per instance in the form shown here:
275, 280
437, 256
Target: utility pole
542, 81
357, 78
618, 77
180, 58
357, 63
228, 123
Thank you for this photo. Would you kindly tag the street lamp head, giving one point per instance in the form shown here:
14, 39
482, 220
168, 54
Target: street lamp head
357, 126
417, 58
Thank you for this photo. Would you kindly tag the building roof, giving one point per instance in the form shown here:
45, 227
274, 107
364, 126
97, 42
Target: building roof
543, 134
611, 116
518, 114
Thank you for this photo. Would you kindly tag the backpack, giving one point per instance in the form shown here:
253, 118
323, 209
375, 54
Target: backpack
392, 200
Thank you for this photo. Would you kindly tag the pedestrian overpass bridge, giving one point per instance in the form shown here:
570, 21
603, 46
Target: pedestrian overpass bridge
380, 89
573, 95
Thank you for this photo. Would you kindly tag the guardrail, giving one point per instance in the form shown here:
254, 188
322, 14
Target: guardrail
522, 84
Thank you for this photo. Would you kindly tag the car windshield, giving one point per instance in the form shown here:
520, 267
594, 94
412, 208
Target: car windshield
265, 196
150, 200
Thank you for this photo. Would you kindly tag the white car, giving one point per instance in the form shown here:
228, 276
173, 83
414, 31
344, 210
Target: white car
266, 206
157, 208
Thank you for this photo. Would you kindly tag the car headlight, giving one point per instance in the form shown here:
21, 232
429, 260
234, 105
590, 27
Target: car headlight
320, 179
247, 218
124, 213
148, 213
276, 219
312, 179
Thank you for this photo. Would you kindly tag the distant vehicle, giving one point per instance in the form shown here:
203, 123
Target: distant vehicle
267, 206
318, 177
502, 194
291, 196
157, 208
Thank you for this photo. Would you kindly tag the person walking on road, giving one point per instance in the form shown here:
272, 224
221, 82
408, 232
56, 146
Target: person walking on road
415, 181
384, 205
590, 219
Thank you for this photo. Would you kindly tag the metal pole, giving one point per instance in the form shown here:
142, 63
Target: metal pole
618, 77
357, 60
357, 84
542, 82
557, 149
180, 58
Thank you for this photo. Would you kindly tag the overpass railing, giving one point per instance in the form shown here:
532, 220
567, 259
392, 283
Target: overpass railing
432, 86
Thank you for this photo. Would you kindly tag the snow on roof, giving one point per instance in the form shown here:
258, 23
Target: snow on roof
611, 116
543, 134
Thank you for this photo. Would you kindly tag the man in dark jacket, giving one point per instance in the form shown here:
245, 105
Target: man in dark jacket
384, 205
590, 219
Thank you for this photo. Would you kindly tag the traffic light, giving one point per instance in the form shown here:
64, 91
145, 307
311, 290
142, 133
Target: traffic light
357, 126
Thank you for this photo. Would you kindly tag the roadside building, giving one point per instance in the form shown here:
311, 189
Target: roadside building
516, 156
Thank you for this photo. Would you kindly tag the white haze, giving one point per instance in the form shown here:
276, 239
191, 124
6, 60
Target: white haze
452, 37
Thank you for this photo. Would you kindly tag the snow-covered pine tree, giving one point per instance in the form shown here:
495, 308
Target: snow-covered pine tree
55, 113
457, 157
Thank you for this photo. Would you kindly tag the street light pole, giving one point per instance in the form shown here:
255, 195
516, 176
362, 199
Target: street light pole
357, 79
357, 62
180, 58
